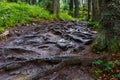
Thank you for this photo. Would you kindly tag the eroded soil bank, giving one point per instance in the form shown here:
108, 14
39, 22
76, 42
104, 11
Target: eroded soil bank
48, 51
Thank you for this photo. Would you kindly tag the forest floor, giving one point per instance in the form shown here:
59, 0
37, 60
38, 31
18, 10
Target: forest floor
48, 51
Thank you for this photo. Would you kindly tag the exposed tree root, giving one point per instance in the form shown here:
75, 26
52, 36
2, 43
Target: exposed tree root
64, 61
24, 52
47, 72
61, 61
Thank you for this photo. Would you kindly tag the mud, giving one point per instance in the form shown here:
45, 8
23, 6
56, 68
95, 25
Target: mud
39, 40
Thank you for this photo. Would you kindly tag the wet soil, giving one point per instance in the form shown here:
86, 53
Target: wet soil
48, 51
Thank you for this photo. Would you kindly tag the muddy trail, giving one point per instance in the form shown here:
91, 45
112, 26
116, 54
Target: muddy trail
48, 51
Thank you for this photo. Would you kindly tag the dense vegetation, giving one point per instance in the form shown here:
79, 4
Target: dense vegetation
12, 14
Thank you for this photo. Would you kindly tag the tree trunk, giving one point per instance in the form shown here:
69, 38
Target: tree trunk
33, 2
76, 11
71, 7
109, 37
95, 10
56, 8
89, 9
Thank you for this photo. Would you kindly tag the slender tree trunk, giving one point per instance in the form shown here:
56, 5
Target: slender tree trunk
71, 7
100, 7
95, 10
56, 8
76, 11
89, 9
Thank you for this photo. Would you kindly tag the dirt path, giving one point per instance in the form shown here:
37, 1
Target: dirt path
50, 51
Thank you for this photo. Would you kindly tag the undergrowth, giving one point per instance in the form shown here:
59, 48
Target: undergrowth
105, 68
19, 13
12, 14
65, 16
94, 24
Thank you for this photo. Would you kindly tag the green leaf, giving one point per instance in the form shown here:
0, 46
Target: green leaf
118, 63
98, 62
118, 75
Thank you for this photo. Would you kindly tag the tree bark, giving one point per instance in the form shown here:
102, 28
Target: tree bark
109, 37
56, 8
71, 7
89, 9
76, 11
95, 10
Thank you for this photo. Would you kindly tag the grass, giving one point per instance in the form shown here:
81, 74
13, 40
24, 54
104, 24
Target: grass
12, 14
65, 16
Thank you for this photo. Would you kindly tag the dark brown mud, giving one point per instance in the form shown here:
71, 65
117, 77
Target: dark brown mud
50, 51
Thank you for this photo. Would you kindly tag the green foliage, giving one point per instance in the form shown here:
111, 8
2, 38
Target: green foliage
83, 15
44, 3
99, 51
65, 16
106, 66
106, 43
103, 66
94, 24
12, 14
100, 42
118, 63
1, 29
109, 66
98, 72
118, 75
98, 62
19, 13
3, 0
63, 5
83, 12
114, 43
